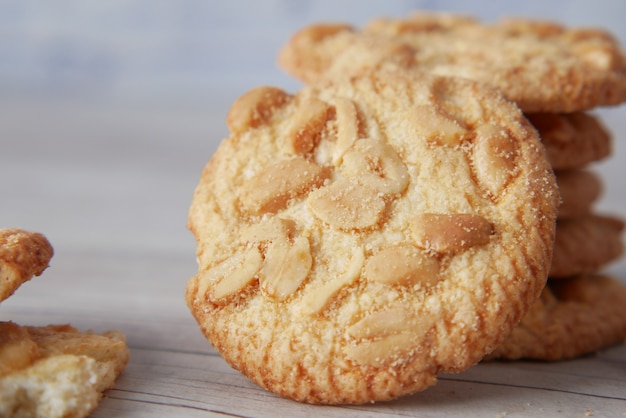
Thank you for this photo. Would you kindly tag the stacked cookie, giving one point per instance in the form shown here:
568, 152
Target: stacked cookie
556, 75
580, 310
51, 371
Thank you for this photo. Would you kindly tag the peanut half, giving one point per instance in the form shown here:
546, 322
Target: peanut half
272, 189
319, 297
347, 205
287, 265
386, 337
348, 127
435, 126
450, 233
307, 126
255, 108
231, 276
376, 163
493, 158
403, 265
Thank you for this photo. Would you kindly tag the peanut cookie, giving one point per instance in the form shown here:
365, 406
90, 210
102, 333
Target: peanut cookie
23, 255
572, 140
573, 317
359, 237
585, 244
542, 66
56, 371
579, 190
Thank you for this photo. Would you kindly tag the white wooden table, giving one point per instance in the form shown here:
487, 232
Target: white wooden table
109, 183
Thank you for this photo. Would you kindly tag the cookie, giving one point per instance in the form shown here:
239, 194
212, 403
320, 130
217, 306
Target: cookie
573, 318
23, 254
56, 371
572, 140
585, 244
359, 237
579, 190
542, 66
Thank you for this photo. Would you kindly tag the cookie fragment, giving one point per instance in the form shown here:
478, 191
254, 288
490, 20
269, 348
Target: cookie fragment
56, 371
415, 253
23, 254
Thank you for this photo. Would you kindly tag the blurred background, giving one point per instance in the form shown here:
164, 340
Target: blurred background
110, 109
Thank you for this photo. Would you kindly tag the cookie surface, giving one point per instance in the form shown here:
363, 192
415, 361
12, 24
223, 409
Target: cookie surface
56, 371
573, 317
542, 66
585, 244
365, 234
572, 140
23, 254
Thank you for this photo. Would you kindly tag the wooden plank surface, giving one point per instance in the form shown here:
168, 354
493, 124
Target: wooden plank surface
110, 184
174, 372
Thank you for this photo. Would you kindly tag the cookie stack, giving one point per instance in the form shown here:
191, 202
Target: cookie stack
395, 219
580, 310
51, 371
557, 76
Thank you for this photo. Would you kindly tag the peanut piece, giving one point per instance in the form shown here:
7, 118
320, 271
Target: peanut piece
255, 108
231, 276
450, 233
381, 353
318, 298
493, 157
307, 126
387, 337
269, 230
403, 265
272, 189
347, 205
377, 164
382, 323
348, 127
318, 32
286, 266
435, 126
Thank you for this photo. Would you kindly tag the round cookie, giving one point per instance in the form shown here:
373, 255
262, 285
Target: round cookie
585, 244
579, 190
23, 254
542, 66
573, 317
572, 140
359, 237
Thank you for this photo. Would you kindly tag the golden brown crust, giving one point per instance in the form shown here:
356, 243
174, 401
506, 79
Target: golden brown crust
572, 140
542, 66
56, 371
573, 318
427, 240
23, 255
585, 244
